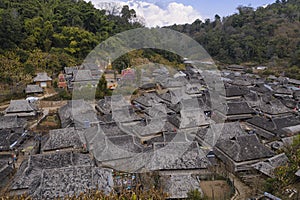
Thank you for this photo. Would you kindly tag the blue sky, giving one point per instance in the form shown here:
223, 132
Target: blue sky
168, 12
223, 8
209, 8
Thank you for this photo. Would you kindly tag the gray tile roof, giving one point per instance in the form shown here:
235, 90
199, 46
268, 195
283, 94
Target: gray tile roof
178, 155
41, 77
31, 169
33, 89
140, 129
70, 181
234, 91
218, 132
5, 140
268, 166
78, 113
252, 98
83, 75
235, 108
244, 148
63, 138
19, 106
110, 148
11, 122
279, 126
273, 107
177, 186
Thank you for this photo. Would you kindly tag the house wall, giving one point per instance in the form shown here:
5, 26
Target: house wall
48, 83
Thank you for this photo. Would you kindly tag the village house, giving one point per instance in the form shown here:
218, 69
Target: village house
276, 127
33, 90
77, 113
232, 111
235, 92
271, 108
239, 153
82, 78
262, 89
93, 68
6, 169
60, 174
12, 132
21, 108
208, 137
268, 166
64, 139
43, 80
178, 156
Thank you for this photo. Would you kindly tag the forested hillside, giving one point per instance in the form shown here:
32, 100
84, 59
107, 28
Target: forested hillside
38, 35
47, 35
269, 35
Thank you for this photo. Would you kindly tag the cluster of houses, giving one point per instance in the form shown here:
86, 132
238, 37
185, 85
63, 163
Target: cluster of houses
173, 126
41, 81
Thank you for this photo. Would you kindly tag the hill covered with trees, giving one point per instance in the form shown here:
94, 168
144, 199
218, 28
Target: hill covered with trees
47, 35
266, 35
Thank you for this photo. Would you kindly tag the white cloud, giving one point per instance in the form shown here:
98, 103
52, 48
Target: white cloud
173, 13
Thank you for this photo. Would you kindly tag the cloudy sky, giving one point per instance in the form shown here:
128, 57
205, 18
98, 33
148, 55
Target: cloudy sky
168, 12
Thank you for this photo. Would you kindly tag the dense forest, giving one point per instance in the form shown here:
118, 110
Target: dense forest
266, 35
48, 35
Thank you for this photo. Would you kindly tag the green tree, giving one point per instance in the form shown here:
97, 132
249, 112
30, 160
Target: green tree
102, 89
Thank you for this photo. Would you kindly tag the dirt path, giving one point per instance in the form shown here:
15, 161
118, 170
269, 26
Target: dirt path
242, 190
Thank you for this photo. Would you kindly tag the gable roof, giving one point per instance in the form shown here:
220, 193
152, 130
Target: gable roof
244, 148
41, 77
